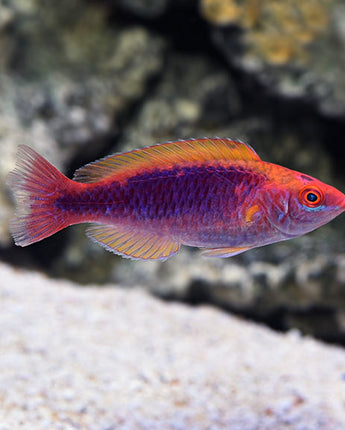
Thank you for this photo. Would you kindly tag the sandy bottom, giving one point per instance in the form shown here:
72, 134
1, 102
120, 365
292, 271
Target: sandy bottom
108, 358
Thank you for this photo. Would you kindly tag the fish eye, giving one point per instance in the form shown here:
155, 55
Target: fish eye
311, 197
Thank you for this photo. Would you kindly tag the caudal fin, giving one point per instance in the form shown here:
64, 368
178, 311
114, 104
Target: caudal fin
36, 184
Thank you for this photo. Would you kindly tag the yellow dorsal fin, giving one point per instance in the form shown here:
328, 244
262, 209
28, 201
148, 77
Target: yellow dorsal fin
132, 243
166, 155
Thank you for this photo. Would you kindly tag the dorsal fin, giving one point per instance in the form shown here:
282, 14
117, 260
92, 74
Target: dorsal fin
165, 155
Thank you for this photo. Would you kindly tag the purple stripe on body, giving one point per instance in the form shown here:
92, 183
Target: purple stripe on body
202, 194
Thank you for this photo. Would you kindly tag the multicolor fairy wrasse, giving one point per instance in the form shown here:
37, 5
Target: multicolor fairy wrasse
215, 194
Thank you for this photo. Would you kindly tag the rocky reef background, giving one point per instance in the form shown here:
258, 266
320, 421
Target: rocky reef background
81, 79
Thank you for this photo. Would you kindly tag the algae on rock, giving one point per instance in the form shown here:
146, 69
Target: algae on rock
294, 48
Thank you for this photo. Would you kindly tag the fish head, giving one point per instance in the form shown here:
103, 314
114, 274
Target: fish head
299, 203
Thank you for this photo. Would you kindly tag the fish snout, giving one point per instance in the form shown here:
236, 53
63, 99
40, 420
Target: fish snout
340, 201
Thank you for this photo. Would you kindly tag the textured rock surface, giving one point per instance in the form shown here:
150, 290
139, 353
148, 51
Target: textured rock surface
145, 8
152, 8
294, 48
192, 98
108, 358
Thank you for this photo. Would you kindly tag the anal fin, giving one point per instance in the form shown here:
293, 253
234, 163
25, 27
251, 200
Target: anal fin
132, 243
224, 252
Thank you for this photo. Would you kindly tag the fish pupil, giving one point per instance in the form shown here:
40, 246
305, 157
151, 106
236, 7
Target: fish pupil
312, 198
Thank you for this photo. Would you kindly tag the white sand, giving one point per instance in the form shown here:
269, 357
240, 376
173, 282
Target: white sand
106, 358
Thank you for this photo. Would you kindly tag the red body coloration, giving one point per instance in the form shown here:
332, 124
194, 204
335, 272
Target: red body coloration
211, 193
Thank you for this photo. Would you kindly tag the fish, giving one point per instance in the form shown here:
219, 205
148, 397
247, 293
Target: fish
212, 193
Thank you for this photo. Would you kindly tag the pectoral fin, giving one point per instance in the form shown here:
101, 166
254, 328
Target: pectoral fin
131, 243
223, 252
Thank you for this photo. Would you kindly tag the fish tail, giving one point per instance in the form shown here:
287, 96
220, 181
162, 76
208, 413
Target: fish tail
36, 184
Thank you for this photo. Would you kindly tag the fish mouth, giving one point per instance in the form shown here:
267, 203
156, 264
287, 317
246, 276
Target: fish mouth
342, 203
